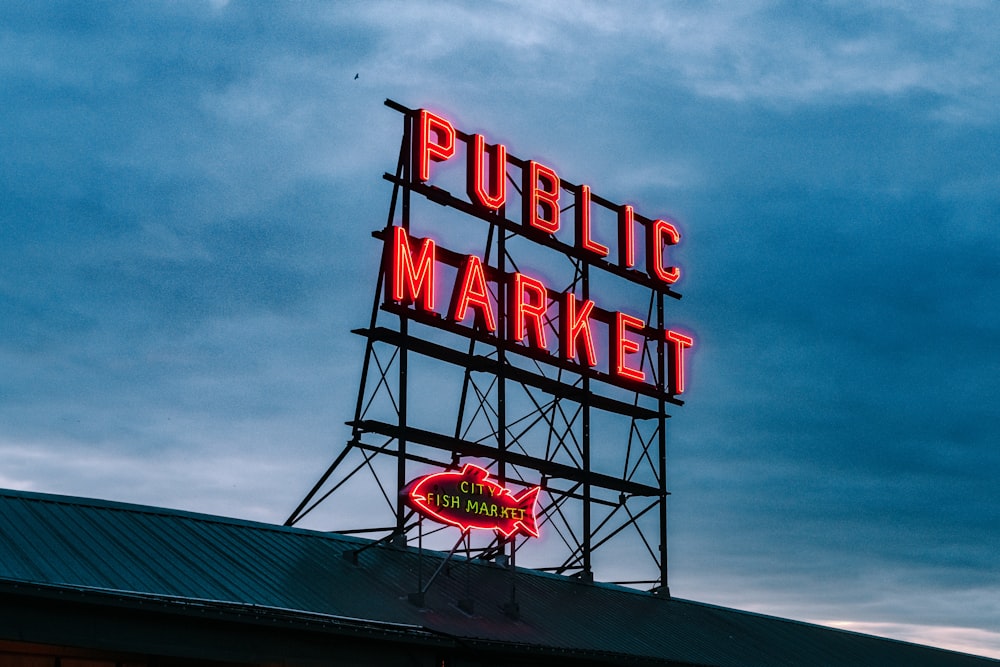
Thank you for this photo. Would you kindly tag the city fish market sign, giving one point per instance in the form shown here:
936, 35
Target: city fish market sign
470, 499
516, 309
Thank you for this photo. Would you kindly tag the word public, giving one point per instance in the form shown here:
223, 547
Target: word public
527, 303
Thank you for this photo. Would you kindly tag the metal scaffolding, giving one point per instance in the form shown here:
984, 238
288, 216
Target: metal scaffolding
434, 394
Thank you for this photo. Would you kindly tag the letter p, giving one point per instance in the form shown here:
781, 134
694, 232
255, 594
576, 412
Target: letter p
433, 139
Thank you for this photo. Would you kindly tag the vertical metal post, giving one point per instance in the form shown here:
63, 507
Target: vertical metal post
588, 572
662, 434
501, 370
404, 332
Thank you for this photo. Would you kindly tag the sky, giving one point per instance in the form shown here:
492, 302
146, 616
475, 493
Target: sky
187, 192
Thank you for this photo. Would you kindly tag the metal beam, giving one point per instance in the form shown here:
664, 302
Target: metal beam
467, 448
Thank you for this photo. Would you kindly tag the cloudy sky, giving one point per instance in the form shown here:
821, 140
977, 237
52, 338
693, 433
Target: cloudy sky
187, 191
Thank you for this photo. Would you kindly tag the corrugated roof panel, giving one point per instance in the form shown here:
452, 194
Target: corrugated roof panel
53, 540
95, 548
19, 560
43, 537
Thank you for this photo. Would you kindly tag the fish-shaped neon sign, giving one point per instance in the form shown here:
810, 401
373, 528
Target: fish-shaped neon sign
470, 499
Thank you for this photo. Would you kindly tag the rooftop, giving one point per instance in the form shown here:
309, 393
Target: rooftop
184, 563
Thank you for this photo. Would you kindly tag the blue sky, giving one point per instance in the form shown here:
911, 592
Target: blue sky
188, 190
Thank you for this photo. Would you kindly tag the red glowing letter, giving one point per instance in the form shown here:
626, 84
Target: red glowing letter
572, 324
494, 195
522, 309
544, 196
412, 280
620, 346
661, 233
470, 290
583, 224
626, 237
440, 148
680, 343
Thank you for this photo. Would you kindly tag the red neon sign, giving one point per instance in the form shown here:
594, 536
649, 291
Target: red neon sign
469, 499
529, 308
435, 139
525, 306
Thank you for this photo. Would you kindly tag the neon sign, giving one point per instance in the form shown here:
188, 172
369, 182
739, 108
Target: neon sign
541, 193
469, 499
547, 340
482, 297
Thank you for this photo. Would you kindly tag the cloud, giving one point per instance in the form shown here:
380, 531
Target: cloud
224, 473
966, 640
188, 189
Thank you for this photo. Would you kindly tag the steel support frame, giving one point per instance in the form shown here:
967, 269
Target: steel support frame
586, 508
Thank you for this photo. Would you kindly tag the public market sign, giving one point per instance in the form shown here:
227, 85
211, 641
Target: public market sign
597, 342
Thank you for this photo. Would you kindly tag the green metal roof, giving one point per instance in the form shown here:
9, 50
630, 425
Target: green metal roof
192, 561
